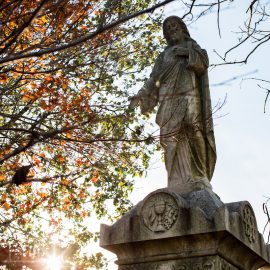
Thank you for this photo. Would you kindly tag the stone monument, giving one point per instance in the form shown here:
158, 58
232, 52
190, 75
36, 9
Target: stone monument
184, 226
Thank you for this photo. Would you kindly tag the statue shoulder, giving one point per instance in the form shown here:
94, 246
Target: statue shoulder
193, 44
158, 64
160, 56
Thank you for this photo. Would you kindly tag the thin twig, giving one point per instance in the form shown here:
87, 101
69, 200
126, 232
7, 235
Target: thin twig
218, 17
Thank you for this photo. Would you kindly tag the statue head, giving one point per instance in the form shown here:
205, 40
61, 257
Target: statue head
174, 30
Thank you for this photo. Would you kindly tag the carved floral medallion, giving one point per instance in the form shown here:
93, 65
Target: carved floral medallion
159, 212
250, 223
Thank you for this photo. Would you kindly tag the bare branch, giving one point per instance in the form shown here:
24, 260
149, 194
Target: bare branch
266, 98
190, 10
244, 61
218, 17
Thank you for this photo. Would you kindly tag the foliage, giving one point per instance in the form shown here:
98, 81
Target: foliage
66, 67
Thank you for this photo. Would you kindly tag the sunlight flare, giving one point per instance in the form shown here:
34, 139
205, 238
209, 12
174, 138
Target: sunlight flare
54, 262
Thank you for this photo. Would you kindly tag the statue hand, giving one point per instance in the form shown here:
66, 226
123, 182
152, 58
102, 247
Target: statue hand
180, 51
134, 102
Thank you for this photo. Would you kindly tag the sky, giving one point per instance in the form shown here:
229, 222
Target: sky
241, 126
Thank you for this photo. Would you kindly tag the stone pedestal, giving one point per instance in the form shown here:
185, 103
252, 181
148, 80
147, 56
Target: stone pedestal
194, 231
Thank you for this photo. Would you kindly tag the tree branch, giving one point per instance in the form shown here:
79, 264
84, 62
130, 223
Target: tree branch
85, 38
23, 26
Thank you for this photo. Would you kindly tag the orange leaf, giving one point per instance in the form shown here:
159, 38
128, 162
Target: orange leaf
48, 79
82, 195
43, 105
33, 85
43, 19
42, 194
6, 206
95, 176
65, 85
94, 179
79, 161
12, 24
83, 214
42, 154
61, 158
31, 173
28, 96
3, 78
37, 162
65, 182
69, 134
2, 177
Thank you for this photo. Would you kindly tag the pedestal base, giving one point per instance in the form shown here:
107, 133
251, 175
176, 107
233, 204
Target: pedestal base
197, 263
193, 231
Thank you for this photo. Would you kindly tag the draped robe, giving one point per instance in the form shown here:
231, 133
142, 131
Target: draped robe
179, 84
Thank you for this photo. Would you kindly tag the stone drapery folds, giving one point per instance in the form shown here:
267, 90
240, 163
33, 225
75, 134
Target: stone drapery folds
179, 84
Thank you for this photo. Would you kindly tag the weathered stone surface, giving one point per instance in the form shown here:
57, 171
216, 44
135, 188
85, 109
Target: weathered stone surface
179, 86
197, 263
182, 230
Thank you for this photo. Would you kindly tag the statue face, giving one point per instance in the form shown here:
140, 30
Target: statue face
174, 30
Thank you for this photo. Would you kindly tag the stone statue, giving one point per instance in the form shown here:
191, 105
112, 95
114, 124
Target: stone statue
179, 84
184, 226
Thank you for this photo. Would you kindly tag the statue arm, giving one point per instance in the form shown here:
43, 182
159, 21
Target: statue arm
198, 58
147, 97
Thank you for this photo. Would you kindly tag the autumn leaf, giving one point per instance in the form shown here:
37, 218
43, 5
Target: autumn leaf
65, 85
79, 162
42, 194
31, 173
3, 78
82, 195
37, 162
42, 154
95, 176
94, 179
61, 158
27, 96
69, 134
48, 79
65, 182
43, 19
6, 206
43, 105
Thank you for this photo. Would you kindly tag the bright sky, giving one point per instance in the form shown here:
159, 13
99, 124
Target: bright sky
241, 134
